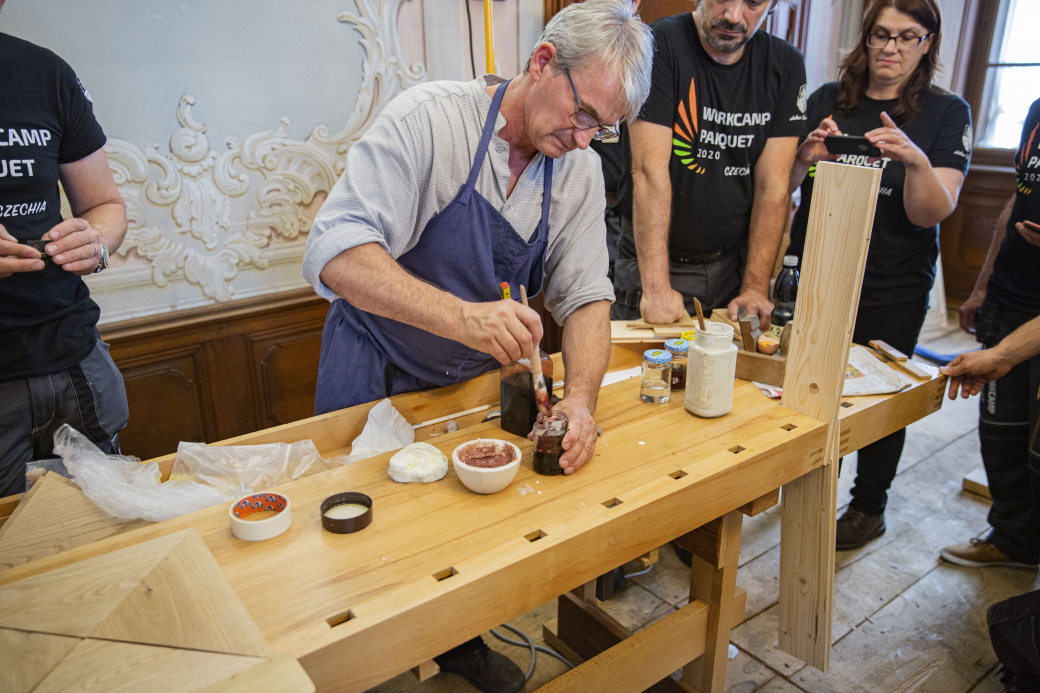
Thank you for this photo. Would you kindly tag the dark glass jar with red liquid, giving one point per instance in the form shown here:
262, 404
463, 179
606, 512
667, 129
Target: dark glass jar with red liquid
548, 442
519, 410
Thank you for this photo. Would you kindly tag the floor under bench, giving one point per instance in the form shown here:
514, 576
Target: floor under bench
904, 620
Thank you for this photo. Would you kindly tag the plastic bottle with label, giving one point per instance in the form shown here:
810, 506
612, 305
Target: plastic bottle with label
785, 293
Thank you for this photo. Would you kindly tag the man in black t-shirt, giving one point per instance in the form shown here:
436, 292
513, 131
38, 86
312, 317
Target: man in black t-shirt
53, 367
710, 156
1008, 290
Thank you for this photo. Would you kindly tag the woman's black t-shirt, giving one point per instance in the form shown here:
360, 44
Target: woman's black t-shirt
1015, 282
901, 259
47, 318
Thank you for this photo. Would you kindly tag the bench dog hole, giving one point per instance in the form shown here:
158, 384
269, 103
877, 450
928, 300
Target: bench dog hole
612, 503
677, 474
535, 536
445, 574
737, 449
339, 619
788, 427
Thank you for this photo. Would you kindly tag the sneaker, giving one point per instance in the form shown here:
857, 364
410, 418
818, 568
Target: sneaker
980, 553
856, 528
486, 670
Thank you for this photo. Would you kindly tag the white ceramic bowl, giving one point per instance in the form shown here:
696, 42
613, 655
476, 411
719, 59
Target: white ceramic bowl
486, 480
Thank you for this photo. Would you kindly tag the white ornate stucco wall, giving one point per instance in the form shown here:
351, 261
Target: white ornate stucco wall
255, 104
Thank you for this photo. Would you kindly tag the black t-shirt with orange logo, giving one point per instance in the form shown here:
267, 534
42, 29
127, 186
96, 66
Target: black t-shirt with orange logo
47, 317
901, 259
1015, 282
720, 117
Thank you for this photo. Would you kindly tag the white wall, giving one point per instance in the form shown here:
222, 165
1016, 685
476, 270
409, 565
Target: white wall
227, 122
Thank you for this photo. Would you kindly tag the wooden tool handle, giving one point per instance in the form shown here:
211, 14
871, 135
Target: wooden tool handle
700, 313
536, 358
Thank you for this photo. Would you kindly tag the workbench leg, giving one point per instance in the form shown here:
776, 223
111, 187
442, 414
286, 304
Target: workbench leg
716, 586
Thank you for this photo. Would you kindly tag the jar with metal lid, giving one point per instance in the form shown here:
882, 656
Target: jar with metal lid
656, 386
710, 371
549, 432
679, 349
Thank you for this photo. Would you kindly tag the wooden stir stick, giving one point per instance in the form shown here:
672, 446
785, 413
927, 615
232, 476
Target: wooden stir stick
700, 313
541, 394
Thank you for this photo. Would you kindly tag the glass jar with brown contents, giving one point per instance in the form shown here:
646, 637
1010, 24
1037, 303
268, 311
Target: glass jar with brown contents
548, 442
519, 409
680, 350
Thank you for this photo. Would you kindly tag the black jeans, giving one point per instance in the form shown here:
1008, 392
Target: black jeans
88, 396
1014, 630
1008, 417
899, 325
714, 283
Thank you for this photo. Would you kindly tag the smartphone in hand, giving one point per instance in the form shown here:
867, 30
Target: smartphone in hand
39, 245
851, 144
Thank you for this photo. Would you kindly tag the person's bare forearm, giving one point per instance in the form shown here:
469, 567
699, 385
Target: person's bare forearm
1022, 344
799, 170
586, 352
768, 218
926, 200
372, 281
994, 247
109, 220
651, 217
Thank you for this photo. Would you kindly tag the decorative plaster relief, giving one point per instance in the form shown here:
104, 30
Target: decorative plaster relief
196, 239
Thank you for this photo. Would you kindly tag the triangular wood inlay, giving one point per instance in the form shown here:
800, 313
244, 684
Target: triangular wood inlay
74, 599
119, 667
26, 658
185, 601
55, 516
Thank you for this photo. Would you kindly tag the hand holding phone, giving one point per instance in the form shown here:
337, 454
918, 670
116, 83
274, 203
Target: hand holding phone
855, 145
1030, 231
16, 257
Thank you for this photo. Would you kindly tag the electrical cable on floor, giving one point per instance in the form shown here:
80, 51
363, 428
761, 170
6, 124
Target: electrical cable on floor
529, 644
469, 23
641, 572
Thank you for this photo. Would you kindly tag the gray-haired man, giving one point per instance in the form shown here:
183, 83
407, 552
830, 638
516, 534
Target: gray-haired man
457, 188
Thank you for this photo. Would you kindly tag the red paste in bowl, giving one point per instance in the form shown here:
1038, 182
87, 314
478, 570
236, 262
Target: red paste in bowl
487, 455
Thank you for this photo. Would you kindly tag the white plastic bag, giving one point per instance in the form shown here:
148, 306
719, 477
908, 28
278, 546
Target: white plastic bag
252, 467
123, 487
384, 431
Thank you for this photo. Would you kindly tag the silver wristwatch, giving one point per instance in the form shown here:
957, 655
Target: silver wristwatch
103, 261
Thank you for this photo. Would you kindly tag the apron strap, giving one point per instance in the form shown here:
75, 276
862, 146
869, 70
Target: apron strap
485, 137
543, 225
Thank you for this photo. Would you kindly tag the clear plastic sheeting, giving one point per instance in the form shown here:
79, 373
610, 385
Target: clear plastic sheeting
248, 467
125, 488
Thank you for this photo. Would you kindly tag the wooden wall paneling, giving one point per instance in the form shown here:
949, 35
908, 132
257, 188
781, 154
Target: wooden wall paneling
230, 393
966, 234
285, 369
165, 403
217, 372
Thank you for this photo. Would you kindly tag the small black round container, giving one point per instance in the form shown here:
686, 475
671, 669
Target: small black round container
347, 525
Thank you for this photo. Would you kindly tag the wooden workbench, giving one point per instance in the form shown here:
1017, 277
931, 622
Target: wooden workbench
440, 564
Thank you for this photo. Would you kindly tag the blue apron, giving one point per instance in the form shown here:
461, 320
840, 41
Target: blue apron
468, 249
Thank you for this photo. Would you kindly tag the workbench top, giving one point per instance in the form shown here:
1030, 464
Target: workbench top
440, 564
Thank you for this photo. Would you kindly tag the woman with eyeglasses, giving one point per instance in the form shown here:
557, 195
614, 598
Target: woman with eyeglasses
885, 93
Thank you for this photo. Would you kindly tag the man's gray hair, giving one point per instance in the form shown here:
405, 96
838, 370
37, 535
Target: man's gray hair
606, 31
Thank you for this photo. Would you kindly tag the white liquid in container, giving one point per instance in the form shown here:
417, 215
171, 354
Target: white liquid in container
710, 371
346, 511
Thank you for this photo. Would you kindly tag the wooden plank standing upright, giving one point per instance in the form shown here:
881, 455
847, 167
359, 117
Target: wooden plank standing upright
840, 220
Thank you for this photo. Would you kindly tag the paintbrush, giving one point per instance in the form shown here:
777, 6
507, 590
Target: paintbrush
541, 394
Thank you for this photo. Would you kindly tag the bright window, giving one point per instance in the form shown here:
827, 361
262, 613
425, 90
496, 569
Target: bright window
1012, 74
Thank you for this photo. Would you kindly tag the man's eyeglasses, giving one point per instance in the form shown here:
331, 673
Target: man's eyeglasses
879, 39
583, 120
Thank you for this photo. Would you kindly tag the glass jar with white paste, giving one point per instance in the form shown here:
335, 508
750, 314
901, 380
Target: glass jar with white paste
710, 371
